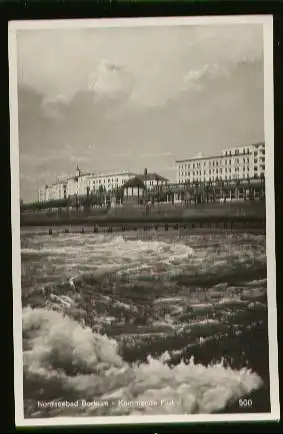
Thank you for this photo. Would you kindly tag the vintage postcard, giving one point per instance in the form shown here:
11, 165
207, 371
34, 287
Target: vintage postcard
143, 220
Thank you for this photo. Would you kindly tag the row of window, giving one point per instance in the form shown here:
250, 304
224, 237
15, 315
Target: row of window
210, 171
237, 151
245, 151
220, 178
215, 163
99, 181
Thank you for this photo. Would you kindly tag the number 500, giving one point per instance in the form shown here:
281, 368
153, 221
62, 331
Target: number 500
245, 403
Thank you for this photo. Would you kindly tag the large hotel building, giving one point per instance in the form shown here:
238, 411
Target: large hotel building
234, 163
80, 183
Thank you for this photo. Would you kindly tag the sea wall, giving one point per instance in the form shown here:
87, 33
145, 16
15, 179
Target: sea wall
253, 212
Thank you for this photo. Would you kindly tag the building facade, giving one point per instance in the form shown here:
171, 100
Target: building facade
244, 162
135, 189
152, 180
81, 183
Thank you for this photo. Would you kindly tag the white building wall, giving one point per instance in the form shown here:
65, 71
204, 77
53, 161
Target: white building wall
109, 181
235, 163
78, 185
42, 194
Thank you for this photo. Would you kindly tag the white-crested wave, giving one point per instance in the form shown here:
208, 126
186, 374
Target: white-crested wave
70, 360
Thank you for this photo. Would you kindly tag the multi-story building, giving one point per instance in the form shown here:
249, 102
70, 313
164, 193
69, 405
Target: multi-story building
81, 182
234, 163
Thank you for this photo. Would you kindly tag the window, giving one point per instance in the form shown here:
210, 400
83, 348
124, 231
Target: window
255, 161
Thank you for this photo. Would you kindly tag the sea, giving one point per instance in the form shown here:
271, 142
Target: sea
139, 323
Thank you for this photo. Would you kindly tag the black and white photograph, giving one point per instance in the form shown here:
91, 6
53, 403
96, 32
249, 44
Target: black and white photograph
142, 180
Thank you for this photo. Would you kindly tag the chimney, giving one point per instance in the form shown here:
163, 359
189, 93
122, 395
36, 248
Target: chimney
145, 172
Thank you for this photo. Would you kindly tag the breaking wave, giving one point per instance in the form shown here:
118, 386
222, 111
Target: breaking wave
72, 362
139, 318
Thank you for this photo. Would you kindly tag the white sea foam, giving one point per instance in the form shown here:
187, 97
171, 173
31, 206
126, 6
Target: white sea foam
112, 253
56, 343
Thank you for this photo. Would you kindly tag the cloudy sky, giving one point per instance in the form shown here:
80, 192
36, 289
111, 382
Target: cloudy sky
130, 98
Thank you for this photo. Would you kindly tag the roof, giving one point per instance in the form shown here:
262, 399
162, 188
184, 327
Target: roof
134, 182
152, 177
139, 180
195, 159
89, 174
107, 174
212, 157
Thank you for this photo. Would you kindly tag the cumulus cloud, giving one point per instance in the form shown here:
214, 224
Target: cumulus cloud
145, 63
110, 80
195, 78
136, 94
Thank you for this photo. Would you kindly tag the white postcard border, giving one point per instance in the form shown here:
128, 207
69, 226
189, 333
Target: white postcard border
267, 22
